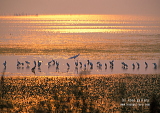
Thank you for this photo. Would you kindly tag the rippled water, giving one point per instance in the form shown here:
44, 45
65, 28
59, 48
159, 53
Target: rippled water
52, 29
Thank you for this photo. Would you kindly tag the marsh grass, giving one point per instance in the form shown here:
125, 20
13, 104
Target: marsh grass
81, 94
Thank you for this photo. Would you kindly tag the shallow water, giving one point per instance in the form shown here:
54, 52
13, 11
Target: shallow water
62, 70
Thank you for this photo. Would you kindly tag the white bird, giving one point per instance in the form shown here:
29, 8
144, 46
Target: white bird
5, 63
74, 56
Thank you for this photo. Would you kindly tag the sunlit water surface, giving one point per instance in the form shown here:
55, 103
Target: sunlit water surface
52, 29
98, 38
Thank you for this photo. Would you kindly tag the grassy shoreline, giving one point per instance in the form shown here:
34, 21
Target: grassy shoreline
79, 94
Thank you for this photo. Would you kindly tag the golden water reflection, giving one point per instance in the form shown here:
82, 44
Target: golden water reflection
100, 23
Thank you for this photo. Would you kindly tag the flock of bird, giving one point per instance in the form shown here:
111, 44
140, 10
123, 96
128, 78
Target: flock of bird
88, 64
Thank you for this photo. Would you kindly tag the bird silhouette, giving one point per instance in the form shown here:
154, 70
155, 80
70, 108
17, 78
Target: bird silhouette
74, 57
5, 63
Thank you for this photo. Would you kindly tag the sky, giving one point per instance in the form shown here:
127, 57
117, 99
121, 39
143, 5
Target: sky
116, 7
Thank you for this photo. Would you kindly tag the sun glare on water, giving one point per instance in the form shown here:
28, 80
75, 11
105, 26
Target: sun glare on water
81, 23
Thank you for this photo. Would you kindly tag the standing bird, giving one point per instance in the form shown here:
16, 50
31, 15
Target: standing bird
68, 65
33, 69
133, 66
49, 63
111, 63
57, 64
80, 64
88, 62
76, 63
34, 63
91, 64
138, 65
155, 65
39, 63
105, 65
27, 62
98, 64
85, 66
5, 63
74, 57
18, 63
53, 62
125, 66
146, 64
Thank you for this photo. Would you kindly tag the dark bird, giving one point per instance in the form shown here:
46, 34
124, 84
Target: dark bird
35, 63
5, 63
155, 65
53, 62
57, 64
125, 66
27, 62
18, 63
146, 64
76, 63
68, 65
91, 64
98, 64
105, 65
88, 62
133, 66
49, 63
39, 63
138, 65
80, 63
33, 69
74, 57
111, 63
